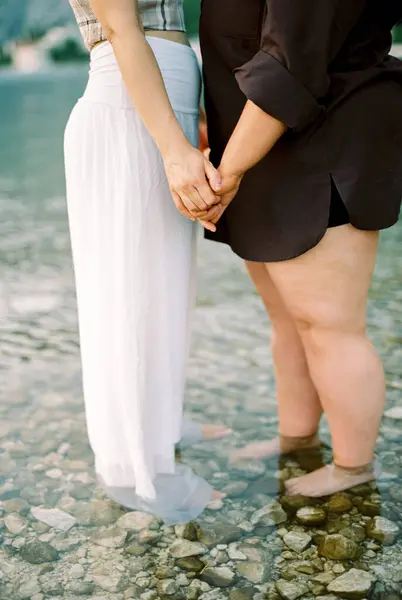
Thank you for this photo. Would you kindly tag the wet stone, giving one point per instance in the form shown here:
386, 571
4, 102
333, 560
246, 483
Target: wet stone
110, 538
137, 521
290, 590
338, 547
339, 504
311, 516
37, 553
297, 541
166, 587
383, 530
14, 505
54, 517
82, 588
28, 589
394, 413
185, 548
253, 571
190, 563
354, 532
221, 577
352, 585
220, 532
269, 516
96, 512
245, 593
15, 524
248, 468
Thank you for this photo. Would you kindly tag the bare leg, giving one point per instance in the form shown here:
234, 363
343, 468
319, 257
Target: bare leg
295, 389
325, 291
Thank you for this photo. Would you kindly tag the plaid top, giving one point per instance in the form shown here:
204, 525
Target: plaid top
160, 15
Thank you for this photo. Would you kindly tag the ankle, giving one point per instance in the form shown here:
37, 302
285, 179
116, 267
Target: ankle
290, 443
368, 468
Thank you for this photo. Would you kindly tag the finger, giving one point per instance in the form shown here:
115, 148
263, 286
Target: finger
212, 213
208, 225
207, 195
180, 206
189, 203
198, 196
213, 176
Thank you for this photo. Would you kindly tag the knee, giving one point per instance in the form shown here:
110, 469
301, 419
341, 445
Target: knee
285, 339
321, 329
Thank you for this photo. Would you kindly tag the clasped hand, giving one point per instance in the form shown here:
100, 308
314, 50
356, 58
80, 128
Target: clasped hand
200, 192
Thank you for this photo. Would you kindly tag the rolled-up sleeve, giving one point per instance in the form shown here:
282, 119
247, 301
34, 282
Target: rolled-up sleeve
288, 77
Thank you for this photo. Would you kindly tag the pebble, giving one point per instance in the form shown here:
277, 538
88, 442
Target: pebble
54, 517
191, 563
269, 516
290, 590
245, 593
383, 530
37, 553
28, 589
166, 587
253, 571
15, 524
394, 413
184, 548
311, 516
219, 532
77, 572
137, 521
352, 585
338, 547
339, 504
297, 541
221, 577
110, 538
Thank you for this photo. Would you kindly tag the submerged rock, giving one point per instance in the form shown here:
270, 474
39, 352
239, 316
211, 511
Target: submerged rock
339, 504
291, 590
15, 523
184, 548
246, 593
37, 553
190, 563
137, 521
222, 532
218, 576
338, 547
383, 530
54, 517
269, 516
311, 516
256, 572
298, 541
110, 538
353, 585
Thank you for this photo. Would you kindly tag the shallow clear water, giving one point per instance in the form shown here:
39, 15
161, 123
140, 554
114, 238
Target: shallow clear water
44, 454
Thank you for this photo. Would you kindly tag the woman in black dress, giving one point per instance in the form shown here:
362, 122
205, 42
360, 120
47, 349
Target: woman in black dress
304, 107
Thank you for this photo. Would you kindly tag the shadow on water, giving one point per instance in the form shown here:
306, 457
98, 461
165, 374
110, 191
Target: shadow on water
257, 543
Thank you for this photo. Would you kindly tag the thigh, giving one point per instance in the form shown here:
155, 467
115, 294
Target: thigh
269, 293
329, 284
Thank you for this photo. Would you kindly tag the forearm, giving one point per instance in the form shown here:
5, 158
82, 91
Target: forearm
254, 136
145, 85
140, 71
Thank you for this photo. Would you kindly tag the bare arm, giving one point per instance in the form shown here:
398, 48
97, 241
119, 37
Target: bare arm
187, 169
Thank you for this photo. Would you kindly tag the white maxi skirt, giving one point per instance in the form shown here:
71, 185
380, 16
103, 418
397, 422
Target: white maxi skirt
134, 263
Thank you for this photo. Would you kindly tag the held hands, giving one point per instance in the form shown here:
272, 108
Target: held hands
193, 181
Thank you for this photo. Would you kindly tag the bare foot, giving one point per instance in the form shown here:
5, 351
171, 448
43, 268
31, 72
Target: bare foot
331, 479
216, 501
276, 447
214, 432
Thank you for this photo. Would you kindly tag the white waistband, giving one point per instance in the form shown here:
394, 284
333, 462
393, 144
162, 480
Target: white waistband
178, 64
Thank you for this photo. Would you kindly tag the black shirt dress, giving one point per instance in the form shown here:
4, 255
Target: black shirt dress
323, 68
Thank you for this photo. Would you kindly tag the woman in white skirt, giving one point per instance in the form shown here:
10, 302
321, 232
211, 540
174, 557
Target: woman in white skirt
134, 251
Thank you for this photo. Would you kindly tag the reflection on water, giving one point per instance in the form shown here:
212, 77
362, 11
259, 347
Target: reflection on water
256, 543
